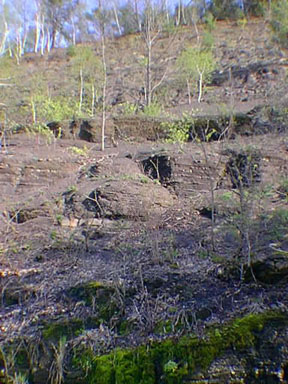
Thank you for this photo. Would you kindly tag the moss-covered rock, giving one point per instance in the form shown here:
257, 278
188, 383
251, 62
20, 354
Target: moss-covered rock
99, 295
54, 330
191, 356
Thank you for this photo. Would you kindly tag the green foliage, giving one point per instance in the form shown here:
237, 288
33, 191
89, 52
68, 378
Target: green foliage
207, 41
100, 295
67, 328
71, 51
57, 109
225, 9
254, 7
178, 131
279, 21
128, 23
283, 189
152, 110
194, 60
196, 66
42, 130
242, 22
129, 109
79, 151
20, 378
176, 361
84, 58
227, 196
210, 22
278, 224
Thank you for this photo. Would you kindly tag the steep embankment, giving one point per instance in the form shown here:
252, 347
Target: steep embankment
151, 262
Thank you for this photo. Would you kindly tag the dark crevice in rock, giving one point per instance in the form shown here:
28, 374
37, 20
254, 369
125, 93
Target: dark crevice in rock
158, 168
244, 168
86, 132
156, 165
92, 204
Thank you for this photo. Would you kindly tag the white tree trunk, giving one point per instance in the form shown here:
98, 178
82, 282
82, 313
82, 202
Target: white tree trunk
81, 90
200, 86
73, 32
37, 33
189, 91
104, 93
4, 38
48, 40
42, 36
93, 100
116, 18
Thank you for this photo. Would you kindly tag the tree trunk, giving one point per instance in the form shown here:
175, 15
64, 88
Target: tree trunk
200, 87
137, 15
116, 18
73, 32
103, 94
4, 38
37, 33
93, 99
42, 36
189, 92
33, 110
81, 90
148, 74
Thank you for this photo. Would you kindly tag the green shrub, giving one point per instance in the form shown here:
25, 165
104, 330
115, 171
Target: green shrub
152, 110
178, 131
279, 22
129, 109
210, 22
207, 41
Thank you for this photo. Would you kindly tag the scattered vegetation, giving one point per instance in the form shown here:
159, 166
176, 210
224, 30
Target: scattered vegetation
170, 269
279, 21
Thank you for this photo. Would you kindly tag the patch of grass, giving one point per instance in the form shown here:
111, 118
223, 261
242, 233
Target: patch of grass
79, 151
54, 330
152, 110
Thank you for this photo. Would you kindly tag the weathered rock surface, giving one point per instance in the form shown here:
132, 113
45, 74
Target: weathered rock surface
114, 199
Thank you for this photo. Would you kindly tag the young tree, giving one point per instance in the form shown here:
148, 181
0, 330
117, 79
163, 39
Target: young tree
100, 19
222, 9
196, 65
154, 23
128, 21
102, 23
89, 70
279, 21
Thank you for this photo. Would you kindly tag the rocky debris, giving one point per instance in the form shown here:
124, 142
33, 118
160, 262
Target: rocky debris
127, 198
263, 69
271, 269
15, 292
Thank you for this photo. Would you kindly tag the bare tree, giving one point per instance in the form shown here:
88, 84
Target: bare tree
153, 26
4, 30
100, 22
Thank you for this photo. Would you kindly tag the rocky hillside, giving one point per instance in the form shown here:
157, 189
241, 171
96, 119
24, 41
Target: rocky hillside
159, 260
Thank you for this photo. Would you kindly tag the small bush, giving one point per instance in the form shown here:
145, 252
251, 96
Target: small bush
279, 22
152, 110
129, 109
178, 131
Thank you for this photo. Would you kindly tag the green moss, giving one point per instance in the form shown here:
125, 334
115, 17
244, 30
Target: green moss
123, 366
67, 327
125, 327
190, 355
99, 295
